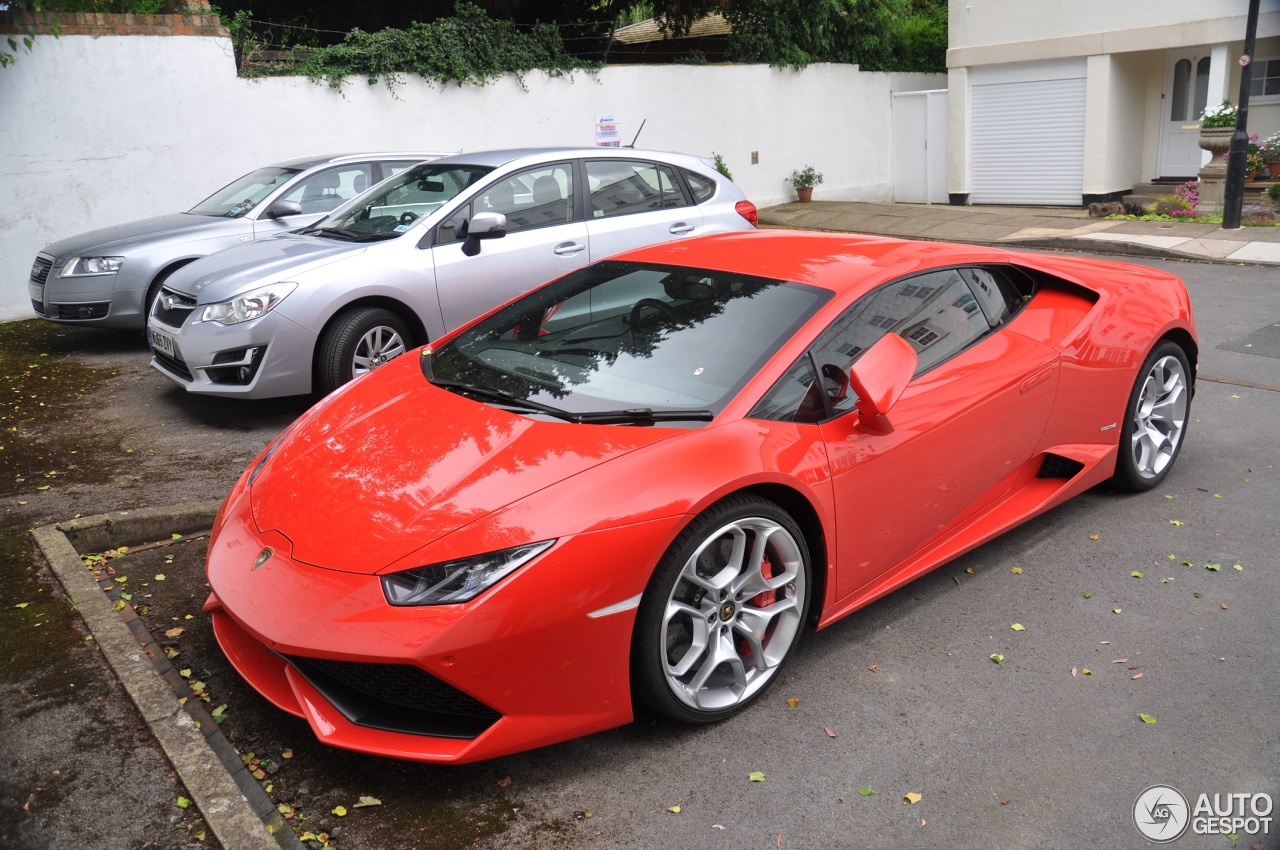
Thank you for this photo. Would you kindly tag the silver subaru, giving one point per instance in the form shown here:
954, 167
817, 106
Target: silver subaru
419, 255
109, 278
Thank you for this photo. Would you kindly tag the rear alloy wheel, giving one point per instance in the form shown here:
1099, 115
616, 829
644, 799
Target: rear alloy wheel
1155, 420
723, 611
358, 341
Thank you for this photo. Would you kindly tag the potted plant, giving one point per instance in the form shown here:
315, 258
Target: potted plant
804, 180
1270, 150
1217, 125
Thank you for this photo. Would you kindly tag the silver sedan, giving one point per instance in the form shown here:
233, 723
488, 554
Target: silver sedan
418, 255
109, 278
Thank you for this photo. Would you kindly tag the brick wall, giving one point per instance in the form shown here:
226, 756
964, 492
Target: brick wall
199, 21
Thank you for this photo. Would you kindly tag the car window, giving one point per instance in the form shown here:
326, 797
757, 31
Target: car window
324, 191
236, 199
702, 187
997, 295
535, 197
404, 198
936, 312
620, 187
390, 168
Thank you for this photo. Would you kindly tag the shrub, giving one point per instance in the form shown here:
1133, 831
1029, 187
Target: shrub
1173, 205
1216, 117
1134, 208
1255, 215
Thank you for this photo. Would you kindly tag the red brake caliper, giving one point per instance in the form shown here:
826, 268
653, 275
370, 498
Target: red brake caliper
760, 600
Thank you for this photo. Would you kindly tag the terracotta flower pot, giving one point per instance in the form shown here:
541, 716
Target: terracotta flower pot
804, 193
1273, 170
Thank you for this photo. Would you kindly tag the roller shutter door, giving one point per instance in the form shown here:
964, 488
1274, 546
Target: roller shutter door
1028, 142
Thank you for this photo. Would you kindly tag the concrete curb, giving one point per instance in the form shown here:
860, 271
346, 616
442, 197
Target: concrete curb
235, 807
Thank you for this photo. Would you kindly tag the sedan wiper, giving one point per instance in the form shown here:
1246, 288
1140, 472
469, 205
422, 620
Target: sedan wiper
641, 415
340, 232
506, 398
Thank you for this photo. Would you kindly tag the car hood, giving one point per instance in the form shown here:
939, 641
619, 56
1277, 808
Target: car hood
123, 236
384, 467
227, 273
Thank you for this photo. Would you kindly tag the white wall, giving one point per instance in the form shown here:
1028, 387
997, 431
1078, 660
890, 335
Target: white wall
98, 131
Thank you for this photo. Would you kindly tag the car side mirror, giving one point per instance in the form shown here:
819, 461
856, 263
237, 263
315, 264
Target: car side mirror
282, 209
484, 225
880, 376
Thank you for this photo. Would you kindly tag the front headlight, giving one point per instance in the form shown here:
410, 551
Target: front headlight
248, 306
457, 581
88, 266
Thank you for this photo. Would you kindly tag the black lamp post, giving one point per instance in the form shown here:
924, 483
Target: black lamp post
1239, 150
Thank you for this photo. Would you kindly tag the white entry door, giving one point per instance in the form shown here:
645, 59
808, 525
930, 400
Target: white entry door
920, 147
1186, 89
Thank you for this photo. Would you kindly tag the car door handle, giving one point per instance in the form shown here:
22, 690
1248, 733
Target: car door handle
569, 248
1036, 379
681, 227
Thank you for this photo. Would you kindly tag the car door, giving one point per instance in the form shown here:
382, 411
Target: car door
972, 415
633, 203
544, 240
318, 194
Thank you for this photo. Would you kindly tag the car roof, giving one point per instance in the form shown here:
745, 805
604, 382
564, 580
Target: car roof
835, 261
496, 158
305, 162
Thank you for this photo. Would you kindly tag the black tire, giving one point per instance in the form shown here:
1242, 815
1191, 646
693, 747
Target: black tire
358, 340
1155, 419
666, 675
153, 292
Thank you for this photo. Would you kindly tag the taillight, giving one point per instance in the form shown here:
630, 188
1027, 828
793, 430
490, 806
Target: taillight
747, 210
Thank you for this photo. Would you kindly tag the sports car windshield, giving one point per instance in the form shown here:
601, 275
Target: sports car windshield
238, 198
626, 343
392, 207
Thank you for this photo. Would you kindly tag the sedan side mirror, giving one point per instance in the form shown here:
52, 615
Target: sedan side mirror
281, 209
484, 225
880, 376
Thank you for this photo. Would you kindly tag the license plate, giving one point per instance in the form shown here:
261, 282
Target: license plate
163, 343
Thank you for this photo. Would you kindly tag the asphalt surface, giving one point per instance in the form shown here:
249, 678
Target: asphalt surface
1016, 754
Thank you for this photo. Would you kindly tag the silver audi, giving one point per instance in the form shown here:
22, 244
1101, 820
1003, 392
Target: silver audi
109, 278
418, 255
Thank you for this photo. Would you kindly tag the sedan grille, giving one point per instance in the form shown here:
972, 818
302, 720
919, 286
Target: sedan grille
397, 698
172, 309
174, 365
40, 270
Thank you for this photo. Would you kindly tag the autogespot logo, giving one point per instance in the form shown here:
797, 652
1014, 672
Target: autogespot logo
1161, 813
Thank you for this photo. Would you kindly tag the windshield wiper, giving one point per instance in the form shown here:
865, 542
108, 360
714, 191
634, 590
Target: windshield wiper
340, 232
641, 415
505, 398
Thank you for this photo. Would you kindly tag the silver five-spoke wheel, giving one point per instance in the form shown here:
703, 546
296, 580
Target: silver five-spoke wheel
725, 609
1156, 418
378, 345
357, 341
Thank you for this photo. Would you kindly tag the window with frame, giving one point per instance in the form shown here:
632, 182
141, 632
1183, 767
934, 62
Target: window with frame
535, 197
622, 187
1265, 81
324, 191
702, 187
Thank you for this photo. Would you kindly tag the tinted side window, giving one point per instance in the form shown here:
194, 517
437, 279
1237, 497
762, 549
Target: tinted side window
536, 197
326, 190
998, 296
620, 187
703, 187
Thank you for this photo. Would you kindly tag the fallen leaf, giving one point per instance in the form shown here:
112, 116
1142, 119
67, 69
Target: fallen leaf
1224, 606
675, 810
1104, 642
865, 792
1187, 563
1116, 610
1088, 594
912, 797
831, 733
969, 570
755, 776
1177, 522
285, 809
1199, 594
1074, 672
874, 668
792, 701
1017, 571
1237, 568
1217, 495
286, 754
717, 826
1085, 671
1018, 627
340, 811
1006, 801
183, 802
173, 633
1148, 719
996, 657
1120, 661
175, 536
1137, 574
1167, 496
1094, 537
374, 801
159, 576
1213, 567
22, 605
1136, 676
505, 782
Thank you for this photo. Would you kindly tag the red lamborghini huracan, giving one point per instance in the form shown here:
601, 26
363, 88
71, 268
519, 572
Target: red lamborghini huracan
640, 483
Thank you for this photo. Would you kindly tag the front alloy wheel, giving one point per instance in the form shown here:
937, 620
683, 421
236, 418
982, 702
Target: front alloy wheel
356, 342
724, 610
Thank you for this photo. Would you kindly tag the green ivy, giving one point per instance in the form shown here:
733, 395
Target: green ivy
467, 48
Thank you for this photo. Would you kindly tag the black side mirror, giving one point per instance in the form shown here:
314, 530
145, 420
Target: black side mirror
485, 225
281, 209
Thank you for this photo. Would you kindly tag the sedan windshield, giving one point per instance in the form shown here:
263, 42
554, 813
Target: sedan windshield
238, 198
621, 342
391, 207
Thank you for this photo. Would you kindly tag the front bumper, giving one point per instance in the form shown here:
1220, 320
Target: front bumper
106, 301
263, 358
523, 665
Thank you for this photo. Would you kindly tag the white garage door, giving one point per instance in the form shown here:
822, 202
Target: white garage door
1028, 137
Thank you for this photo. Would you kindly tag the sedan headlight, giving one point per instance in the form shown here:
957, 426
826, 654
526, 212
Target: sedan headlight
88, 266
250, 305
457, 581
